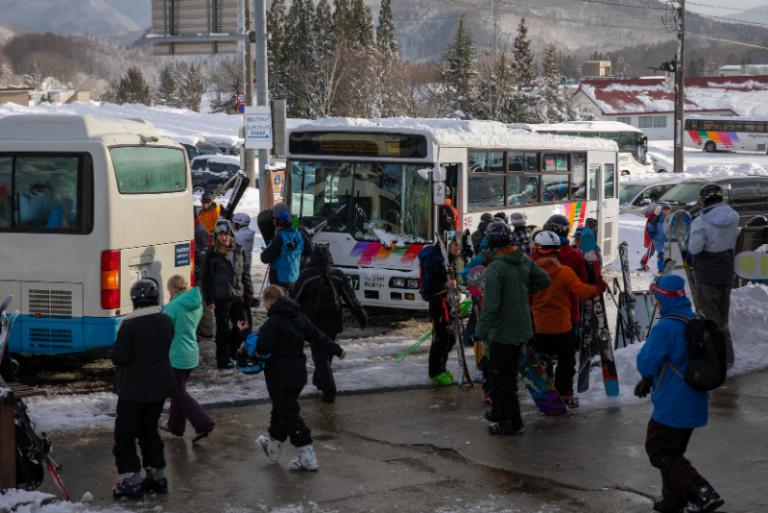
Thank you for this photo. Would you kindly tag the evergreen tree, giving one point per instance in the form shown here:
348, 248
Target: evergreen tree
461, 75
166, 93
298, 52
6, 72
192, 90
497, 89
206, 74
341, 22
386, 40
557, 105
361, 31
275, 61
133, 88
33, 76
526, 68
228, 102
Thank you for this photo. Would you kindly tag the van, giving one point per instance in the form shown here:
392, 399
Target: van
88, 206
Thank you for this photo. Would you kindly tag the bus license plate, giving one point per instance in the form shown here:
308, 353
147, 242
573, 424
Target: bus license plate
355, 281
138, 272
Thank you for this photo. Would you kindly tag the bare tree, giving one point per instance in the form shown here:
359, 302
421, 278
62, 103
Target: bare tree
318, 89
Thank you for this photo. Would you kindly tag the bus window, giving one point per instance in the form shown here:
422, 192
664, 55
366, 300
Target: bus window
555, 162
516, 162
47, 190
579, 176
572, 134
610, 182
6, 186
750, 127
554, 188
485, 192
613, 136
728, 126
593, 171
531, 161
496, 162
478, 162
141, 169
590, 135
522, 190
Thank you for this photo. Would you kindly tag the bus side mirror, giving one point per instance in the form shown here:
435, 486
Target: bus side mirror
645, 141
439, 193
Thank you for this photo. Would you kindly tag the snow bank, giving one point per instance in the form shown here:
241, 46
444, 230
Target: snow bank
701, 163
37, 502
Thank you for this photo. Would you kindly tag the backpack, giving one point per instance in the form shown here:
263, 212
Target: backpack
706, 353
426, 255
327, 300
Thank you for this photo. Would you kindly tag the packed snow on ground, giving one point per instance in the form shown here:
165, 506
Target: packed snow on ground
21, 501
701, 163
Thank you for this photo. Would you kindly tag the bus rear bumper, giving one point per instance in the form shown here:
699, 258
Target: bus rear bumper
59, 336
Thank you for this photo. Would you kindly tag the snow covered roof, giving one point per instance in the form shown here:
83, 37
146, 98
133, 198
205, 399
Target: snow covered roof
69, 127
461, 133
728, 118
598, 126
222, 159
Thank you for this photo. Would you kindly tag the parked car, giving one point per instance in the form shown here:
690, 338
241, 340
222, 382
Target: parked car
207, 148
747, 195
225, 147
192, 152
209, 172
634, 196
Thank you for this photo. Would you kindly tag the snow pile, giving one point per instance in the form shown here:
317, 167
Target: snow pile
749, 328
701, 163
37, 502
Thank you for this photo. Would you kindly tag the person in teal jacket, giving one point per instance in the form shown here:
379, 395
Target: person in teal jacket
677, 408
186, 310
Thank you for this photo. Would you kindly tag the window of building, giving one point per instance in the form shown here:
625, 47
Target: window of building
659, 121
627, 120
645, 122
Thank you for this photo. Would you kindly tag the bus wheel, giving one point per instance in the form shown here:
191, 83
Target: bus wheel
710, 147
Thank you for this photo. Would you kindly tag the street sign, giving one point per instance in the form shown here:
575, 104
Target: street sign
210, 26
241, 108
241, 97
258, 128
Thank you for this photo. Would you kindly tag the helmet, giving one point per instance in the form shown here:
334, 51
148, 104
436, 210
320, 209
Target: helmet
518, 219
145, 291
546, 242
284, 219
498, 234
711, 191
206, 197
559, 224
223, 226
759, 221
242, 219
502, 216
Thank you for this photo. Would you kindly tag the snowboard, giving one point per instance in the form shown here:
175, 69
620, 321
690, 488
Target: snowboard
633, 328
543, 392
587, 333
266, 223
592, 265
241, 184
681, 224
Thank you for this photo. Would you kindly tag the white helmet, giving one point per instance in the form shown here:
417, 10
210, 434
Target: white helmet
546, 242
241, 219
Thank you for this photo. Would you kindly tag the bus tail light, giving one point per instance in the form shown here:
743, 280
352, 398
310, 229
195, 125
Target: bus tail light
110, 279
192, 262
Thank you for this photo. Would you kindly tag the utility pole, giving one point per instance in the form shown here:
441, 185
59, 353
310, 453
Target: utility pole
679, 16
262, 82
250, 163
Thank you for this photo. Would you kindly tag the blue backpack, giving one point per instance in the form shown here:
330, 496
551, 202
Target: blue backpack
426, 255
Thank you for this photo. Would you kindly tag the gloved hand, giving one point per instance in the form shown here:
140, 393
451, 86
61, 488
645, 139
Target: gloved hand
643, 388
601, 286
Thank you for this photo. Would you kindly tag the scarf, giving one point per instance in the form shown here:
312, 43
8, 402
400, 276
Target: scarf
224, 250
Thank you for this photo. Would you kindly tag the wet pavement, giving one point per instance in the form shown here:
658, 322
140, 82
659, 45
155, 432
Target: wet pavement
428, 450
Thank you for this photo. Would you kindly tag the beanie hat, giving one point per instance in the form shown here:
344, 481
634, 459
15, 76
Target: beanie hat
486, 217
517, 219
577, 233
665, 205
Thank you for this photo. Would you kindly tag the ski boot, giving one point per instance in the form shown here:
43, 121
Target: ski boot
442, 379
661, 506
490, 415
306, 459
506, 427
129, 486
703, 499
487, 397
155, 481
164, 427
202, 434
272, 448
570, 401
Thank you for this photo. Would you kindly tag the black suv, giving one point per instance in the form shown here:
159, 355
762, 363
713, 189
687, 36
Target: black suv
209, 172
747, 195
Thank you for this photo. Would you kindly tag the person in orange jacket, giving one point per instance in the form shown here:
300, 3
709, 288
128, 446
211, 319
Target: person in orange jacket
551, 310
210, 212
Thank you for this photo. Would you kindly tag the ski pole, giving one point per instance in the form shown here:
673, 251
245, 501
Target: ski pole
413, 347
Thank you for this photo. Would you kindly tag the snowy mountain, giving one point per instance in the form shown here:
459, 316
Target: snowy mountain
9, 30
758, 14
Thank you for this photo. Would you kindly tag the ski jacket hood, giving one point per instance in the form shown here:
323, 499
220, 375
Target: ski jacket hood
244, 238
573, 258
720, 215
320, 257
185, 310
551, 307
675, 404
286, 307
712, 241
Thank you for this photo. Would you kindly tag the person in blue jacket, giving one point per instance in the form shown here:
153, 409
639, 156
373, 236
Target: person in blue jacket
283, 254
678, 409
656, 233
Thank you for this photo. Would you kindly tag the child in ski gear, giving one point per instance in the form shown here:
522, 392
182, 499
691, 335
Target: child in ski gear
521, 236
647, 241
322, 290
227, 290
202, 244
712, 241
280, 341
210, 213
505, 323
656, 233
143, 381
185, 310
551, 309
243, 234
283, 254
678, 409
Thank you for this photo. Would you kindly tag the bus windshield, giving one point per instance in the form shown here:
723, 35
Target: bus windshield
371, 201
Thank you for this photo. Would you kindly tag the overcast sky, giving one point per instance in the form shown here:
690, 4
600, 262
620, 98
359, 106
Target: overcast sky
741, 4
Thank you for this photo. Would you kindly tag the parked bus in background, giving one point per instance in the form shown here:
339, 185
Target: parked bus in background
87, 206
375, 182
633, 145
730, 133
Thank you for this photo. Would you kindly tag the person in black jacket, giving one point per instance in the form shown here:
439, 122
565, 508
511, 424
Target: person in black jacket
321, 290
143, 381
202, 244
228, 290
436, 288
280, 341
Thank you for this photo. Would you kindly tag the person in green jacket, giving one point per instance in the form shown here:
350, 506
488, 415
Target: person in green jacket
185, 309
505, 323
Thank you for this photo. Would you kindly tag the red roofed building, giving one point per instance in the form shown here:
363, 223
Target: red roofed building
648, 104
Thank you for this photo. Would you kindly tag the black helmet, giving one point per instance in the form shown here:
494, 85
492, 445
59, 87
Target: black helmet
206, 197
502, 216
711, 191
759, 221
223, 226
498, 234
559, 224
146, 291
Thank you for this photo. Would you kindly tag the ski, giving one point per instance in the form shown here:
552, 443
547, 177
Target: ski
681, 224
413, 347
633, 328
586, 340
592, 265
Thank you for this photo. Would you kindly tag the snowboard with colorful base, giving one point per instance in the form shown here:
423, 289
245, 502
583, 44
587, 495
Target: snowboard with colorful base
681, 225
592, 266
543, 392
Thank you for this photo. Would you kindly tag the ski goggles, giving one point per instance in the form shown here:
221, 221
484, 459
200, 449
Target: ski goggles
666, 292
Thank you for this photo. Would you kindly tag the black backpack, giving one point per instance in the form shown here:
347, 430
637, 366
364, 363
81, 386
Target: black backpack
706, 353
327, 301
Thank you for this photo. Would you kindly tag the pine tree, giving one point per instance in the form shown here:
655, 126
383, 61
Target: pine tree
461, 75
275, 61
6, 72
556, 104
228, 102
298, 52
386, 40
325, 42
497, 89
166, 93
192, 90
361, 31
133, 88
33, 76
526, 69
341, 22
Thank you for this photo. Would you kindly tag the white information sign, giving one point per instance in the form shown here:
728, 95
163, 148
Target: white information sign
258, 128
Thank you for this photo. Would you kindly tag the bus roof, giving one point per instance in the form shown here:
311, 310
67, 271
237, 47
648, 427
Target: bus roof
460, 133
46, 127
728, 118
579, 126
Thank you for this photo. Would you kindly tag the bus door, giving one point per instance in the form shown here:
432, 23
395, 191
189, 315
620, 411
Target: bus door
603, 191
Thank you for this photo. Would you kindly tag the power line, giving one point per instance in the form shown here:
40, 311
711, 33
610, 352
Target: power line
728, 41
735, 21
627, 5
720, 7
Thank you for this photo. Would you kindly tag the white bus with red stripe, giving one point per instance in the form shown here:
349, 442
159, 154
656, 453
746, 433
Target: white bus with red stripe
727, 133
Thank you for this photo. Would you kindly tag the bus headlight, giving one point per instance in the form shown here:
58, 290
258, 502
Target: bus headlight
397, 283
413, 283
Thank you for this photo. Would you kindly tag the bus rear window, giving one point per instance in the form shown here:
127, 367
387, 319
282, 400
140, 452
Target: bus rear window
143, 169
